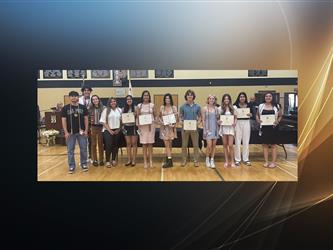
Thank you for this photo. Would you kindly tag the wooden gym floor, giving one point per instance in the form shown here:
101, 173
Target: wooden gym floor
52, 166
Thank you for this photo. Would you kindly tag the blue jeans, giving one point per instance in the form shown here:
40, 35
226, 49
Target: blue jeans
82, 140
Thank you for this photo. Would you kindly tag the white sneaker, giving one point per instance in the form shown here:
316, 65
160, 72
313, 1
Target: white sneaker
207, 162
212, 163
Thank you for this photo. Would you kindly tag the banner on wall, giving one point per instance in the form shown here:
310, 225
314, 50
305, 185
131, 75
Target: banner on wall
119, 76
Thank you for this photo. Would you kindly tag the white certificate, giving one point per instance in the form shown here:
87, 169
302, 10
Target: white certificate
128, 118
227, 119
169, 119
145, 119
242, 112
190, 124
267, 120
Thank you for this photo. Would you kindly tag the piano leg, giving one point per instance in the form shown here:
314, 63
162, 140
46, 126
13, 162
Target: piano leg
285, 151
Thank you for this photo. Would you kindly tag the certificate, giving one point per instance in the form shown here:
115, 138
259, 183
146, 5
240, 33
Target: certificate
169, 119
227, 119
128, 118
145, 119
242, 113
190, 124
267, 120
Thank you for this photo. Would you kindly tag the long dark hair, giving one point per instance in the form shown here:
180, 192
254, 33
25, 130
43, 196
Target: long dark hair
92, 106
223, 107
145, 91
165, 96
108, 108
274, 104
127, 107
236, 103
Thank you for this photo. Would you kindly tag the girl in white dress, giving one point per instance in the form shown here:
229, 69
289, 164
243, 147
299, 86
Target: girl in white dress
227, 132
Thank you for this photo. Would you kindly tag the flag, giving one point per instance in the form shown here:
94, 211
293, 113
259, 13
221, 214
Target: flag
129, 87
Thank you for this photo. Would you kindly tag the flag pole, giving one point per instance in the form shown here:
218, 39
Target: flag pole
129, 84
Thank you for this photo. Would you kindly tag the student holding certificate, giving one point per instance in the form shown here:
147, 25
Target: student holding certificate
269, 115
111, 120
190, 115
210, 129
95, 110
168, 120
129, 130
242, 129
227, 130
146, 123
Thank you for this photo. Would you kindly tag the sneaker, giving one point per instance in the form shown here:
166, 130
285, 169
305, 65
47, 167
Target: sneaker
237, 163
212, 163
84, 168
95, 163
108, 164
101, 163
248, 163
71, 171
128, 163
208, 164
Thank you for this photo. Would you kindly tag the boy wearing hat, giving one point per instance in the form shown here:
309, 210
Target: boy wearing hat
75, 125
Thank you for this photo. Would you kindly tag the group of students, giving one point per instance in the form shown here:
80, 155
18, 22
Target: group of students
86, 117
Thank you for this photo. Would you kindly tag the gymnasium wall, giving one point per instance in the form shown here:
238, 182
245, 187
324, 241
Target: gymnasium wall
49, 96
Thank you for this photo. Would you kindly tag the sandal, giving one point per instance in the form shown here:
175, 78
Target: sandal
265, 164
226, 165
272, 165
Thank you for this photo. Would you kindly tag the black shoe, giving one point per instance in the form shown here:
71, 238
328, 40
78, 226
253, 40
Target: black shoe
168, 163
165, 163
128, 163
171, 163
101, 163
95, 163
133, 164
